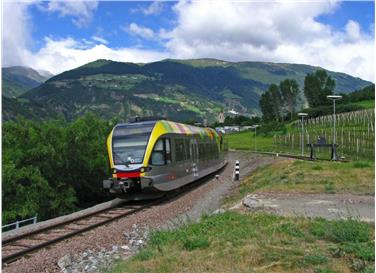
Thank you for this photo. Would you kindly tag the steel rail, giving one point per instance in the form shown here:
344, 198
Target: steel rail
7, 241
28, 249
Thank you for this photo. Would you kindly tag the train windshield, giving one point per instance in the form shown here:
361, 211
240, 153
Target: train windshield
129, 143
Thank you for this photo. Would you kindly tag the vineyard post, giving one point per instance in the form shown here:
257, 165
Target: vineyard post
302, 116
334, 98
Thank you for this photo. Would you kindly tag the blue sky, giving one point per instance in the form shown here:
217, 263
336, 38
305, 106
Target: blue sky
109, 22
61, 35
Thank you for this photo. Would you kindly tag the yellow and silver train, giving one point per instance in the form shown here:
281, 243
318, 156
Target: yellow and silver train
160, 155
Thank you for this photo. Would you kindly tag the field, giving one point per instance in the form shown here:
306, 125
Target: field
355, 136
235, 242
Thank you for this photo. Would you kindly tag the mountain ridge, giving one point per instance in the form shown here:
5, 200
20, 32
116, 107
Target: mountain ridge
19, 79
182, 89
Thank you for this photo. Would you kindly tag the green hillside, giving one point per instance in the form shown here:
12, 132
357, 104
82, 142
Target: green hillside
177, 89
13, 107
16, 80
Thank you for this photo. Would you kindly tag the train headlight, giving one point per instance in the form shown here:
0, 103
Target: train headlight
114, 171
145, 169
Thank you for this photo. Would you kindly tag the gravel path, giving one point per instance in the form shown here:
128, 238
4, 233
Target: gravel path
120, 239
329, 206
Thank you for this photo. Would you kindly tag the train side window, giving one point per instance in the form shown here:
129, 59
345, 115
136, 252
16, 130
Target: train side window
168, 151
179, 150
158, 154
187, 150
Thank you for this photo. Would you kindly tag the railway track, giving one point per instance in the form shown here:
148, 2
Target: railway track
22, 245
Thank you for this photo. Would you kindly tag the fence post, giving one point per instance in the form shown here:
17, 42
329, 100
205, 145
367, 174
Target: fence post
357, 148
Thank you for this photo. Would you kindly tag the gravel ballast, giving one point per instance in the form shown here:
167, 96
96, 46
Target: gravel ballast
101, 247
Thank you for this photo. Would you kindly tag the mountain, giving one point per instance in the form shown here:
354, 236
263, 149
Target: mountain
16, 80
178, 89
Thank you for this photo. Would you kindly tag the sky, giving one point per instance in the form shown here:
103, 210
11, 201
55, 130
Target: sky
60, 35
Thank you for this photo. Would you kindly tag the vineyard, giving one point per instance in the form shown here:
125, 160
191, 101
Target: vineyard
355, 135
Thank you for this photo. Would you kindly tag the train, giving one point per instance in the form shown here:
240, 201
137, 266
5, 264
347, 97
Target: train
148, 158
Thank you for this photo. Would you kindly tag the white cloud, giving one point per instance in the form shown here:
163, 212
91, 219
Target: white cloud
276, 32
58, 56
15, 35
99, 40
137, 30
154, 8
81, 11
353, 31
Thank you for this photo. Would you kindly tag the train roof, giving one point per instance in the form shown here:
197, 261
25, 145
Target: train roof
172, 127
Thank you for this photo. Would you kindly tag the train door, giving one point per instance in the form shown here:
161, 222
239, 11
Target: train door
194, 153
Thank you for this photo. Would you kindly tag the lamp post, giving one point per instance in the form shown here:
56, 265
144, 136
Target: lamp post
302, 116
334, 98
254, 127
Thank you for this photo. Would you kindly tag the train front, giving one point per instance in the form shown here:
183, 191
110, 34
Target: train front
126, 147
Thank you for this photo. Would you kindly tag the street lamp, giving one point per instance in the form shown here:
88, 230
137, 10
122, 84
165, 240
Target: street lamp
334, 98
302, 116
254, 127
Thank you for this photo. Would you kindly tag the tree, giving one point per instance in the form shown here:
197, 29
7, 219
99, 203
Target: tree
271, 104
317, 86
289, 90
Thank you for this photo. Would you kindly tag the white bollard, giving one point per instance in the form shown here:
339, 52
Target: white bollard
237, 171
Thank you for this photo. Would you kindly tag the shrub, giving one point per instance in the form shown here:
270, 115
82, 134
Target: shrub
195, 242
315, 259
145, 254
361, 164
350, 230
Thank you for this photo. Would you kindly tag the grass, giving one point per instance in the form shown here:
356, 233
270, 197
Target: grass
310, 177
258, 242
366, 103
246, 141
